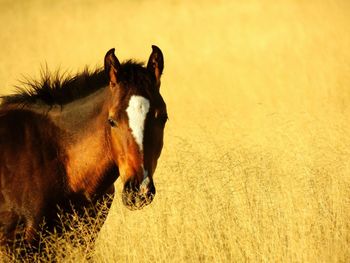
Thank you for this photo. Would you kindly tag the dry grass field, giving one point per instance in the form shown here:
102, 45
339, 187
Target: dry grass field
256, 162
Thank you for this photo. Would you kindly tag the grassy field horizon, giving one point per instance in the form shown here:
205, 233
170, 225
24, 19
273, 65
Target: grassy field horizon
255, 165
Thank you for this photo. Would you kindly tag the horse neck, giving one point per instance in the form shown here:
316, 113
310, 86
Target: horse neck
86, 139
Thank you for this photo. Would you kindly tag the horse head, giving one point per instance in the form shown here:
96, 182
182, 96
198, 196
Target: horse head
136, 119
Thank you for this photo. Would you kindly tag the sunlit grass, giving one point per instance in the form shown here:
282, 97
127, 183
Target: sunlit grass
255, 165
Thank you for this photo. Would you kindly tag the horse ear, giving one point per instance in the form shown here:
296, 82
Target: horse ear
156, 63
112, 65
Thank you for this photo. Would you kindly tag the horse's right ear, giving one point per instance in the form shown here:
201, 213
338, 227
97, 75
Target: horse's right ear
112, 65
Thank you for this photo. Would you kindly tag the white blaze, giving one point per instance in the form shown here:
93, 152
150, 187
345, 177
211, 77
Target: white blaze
137, 110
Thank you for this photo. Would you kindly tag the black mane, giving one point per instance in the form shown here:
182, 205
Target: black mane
61, 89
134, 74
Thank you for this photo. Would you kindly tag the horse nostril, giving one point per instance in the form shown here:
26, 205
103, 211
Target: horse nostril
134, 198
130, 187
149, 196
151, 189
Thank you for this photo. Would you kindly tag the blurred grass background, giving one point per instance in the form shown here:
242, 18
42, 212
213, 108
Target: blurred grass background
255, 165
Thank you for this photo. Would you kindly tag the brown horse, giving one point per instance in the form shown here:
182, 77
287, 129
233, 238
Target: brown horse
64, 142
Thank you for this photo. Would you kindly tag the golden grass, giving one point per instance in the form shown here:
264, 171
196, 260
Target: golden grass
256, 159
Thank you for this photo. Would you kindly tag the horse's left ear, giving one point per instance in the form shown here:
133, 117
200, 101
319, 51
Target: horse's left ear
156, 63
112, 65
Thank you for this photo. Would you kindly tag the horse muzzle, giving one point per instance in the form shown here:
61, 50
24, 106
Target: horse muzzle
135, 197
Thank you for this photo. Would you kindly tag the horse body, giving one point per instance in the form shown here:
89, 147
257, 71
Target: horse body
29, 186
69, 154
63, 165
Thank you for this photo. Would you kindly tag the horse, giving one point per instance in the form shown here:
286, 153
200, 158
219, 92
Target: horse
65, 140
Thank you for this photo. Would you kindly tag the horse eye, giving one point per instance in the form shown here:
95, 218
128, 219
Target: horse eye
112, 122
162, 117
